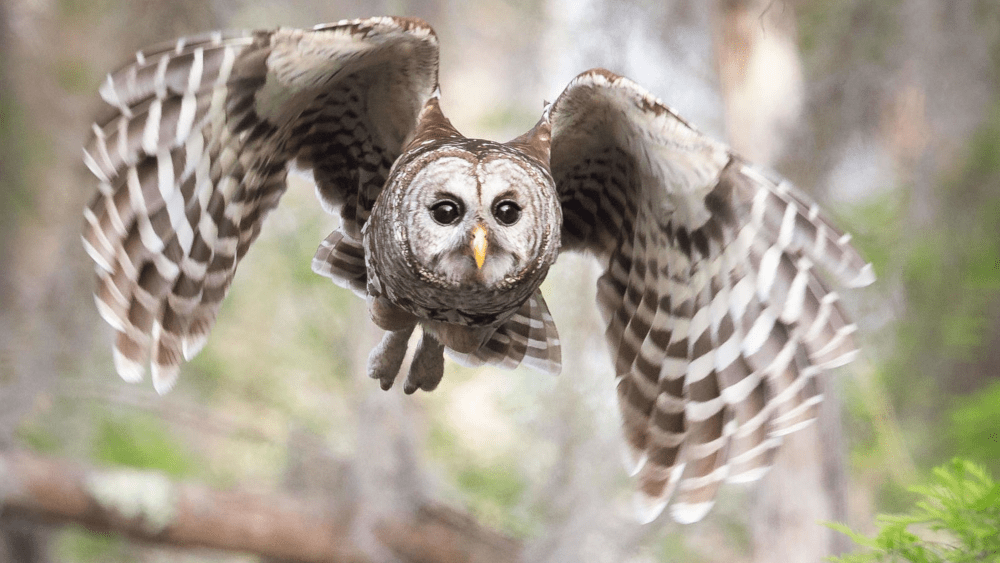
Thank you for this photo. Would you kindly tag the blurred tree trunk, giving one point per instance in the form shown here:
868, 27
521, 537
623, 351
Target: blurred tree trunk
760, 75
20, 541
762, 88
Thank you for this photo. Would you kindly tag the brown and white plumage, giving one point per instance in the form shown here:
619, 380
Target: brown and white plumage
196, 153
717, 320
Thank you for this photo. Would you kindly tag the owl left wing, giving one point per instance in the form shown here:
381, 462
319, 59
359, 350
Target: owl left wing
194, 153
717, 321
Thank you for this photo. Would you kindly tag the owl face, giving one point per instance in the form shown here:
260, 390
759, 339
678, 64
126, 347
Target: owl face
473, 220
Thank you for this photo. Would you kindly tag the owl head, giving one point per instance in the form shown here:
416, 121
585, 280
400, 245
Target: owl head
475, 223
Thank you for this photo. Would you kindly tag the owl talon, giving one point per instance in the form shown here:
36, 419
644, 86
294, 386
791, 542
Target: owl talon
427, 366
386, 358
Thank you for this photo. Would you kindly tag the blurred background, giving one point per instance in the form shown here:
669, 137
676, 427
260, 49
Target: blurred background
886, 111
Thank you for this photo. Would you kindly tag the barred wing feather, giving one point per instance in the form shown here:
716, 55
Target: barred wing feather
195, 151
717, 319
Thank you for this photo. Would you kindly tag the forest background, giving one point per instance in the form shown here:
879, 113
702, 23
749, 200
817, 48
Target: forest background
886, 111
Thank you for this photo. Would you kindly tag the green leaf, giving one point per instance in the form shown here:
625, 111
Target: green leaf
960, 504
856, 537
989, 500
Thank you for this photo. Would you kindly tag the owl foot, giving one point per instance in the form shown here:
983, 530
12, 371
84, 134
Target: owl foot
427, 366
386, 358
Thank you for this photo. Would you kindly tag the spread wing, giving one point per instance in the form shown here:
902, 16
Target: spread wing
195, 152
717, 320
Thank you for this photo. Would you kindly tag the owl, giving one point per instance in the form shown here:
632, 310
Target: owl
717, 320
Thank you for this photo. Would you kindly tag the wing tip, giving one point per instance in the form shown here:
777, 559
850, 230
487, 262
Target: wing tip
648, 508
689, 513
192, 344
750, 475
548, 366
164, 377
129, 369
633, 459
109, 314
321, 266
864, 277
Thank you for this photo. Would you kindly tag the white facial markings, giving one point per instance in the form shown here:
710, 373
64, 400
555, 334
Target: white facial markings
442, 249
477, 183
497, 178
502, 179
451, 174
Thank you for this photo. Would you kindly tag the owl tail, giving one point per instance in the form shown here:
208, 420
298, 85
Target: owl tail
529, 337
342, 259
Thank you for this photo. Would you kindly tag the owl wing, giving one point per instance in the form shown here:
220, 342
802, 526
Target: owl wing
717, 320
195, 153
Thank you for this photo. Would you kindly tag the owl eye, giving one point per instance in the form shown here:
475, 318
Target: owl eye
507, 212
446, 212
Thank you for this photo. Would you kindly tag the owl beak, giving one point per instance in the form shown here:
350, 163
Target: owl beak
479, 245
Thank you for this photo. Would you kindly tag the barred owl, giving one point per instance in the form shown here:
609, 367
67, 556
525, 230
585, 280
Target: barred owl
717, 321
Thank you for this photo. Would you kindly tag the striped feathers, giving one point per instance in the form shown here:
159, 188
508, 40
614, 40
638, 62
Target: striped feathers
529, 337
717, 320
342, 259
194, 154
716, 313
168, 223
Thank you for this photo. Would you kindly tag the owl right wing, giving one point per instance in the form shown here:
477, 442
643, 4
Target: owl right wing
717, 320
195, 153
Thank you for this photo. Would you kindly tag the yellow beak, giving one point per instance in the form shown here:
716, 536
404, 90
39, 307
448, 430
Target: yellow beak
479, 245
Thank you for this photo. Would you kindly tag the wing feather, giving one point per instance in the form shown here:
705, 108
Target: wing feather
717, 320
528, 337
194, 152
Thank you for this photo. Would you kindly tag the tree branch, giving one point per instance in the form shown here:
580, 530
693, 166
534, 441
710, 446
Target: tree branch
149, 507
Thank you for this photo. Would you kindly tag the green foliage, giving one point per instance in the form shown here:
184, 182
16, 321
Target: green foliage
947, 273
76, 544
893, 496
38, 438
141, 442
984, 157
957, 520
880, 240
492, 489
848, 30
15, 150
984, 270
674, 547
974, 431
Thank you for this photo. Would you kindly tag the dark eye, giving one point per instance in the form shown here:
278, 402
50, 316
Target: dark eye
507, 212
446, 211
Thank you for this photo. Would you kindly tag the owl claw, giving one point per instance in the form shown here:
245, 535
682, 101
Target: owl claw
427, 366
386, 358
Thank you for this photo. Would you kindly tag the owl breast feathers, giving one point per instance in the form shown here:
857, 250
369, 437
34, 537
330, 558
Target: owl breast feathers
717, 321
